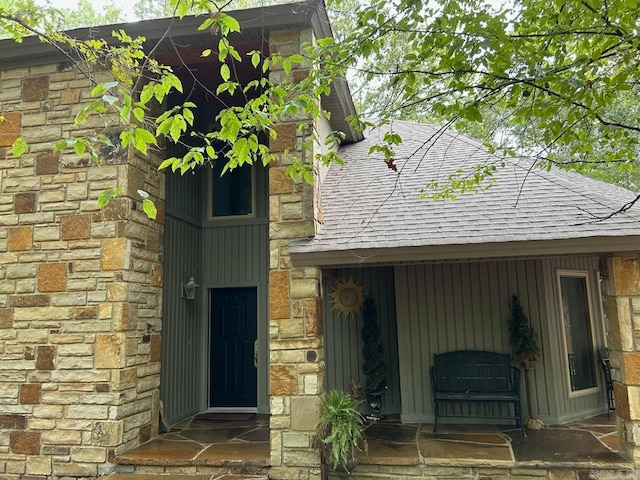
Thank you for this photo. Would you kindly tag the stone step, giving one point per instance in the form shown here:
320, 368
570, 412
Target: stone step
177, 476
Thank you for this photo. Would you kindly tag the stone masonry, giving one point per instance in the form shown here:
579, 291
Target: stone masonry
621, 297
80, 288
296, 375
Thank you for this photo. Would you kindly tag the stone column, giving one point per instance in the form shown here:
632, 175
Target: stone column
296, 372
621, 292
80, 287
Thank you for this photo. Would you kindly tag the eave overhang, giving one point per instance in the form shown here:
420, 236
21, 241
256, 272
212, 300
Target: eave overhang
302, 256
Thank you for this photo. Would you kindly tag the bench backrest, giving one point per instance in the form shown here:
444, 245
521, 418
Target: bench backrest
472, 371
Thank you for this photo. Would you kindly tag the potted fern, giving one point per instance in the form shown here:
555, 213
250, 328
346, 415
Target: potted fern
341, 431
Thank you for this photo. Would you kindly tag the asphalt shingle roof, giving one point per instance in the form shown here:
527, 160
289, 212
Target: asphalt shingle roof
366, 205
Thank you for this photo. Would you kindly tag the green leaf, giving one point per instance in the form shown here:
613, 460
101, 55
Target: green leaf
206, 24
100, 88
205, 53
166, 163
286, 66
146, 94
228, 23
80, 147
188, 116
105, 197
296, 58
138, 113
142, 139
19, 147
61, 145
182, 8
175, 131
223, 50
234, 53
225, 72
149, 208
255, 58
165, 127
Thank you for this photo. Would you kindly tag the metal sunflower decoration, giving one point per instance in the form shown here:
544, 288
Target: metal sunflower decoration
347, 297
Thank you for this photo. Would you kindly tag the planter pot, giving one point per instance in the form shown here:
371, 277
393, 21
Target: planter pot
375, 400
352, 462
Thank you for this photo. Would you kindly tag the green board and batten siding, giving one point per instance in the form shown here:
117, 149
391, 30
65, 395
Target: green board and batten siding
454, 306
181, 326
219, 253
343, 345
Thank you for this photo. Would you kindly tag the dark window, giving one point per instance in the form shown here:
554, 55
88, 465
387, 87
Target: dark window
232, 192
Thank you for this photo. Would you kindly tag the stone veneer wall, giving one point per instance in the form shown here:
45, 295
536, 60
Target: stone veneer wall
621, 295
296, 374
80, 288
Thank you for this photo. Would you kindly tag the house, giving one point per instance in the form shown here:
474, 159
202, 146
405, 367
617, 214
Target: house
98, 334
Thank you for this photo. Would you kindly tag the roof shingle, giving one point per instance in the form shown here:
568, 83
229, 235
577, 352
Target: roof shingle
366, 205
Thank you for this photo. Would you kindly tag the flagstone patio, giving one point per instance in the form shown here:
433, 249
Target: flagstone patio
242, 440
585, 444
217, 439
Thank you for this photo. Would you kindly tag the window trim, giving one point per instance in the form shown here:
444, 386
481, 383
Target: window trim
209, 199
565, 350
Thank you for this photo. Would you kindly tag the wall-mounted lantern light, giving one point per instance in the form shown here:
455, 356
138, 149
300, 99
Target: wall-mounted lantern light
189, 289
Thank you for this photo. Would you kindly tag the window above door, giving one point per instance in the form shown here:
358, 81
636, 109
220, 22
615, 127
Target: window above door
231, 195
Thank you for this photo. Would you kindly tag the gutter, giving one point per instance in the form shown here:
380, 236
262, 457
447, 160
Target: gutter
303, 256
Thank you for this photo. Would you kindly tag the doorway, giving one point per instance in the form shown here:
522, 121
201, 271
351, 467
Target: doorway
233, 365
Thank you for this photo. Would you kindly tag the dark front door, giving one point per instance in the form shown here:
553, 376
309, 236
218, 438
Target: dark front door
234, 323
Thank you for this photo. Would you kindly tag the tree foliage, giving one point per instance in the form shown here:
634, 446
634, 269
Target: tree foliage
556, 79
84, 15
137, 81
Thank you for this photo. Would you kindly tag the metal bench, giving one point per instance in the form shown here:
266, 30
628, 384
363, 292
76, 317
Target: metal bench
474, 376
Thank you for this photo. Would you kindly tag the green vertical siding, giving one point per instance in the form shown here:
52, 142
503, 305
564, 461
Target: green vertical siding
218, 253
181, 368
454, 306
343, 345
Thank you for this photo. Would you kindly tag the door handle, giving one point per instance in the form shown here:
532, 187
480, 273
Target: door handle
255, 353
